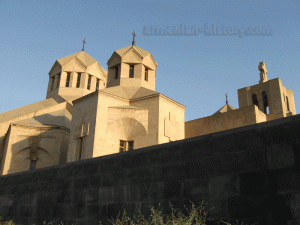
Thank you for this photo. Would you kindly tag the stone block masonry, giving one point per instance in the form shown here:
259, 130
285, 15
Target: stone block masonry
249, 173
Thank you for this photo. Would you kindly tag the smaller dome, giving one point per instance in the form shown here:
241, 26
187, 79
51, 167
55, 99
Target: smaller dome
141, 51
85, 58
225, 108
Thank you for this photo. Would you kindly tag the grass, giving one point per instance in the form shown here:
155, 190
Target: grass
156, 218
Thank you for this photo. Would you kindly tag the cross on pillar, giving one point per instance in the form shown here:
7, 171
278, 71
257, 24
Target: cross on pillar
83, 44
33, 151
133, 42
171, 130
81, 134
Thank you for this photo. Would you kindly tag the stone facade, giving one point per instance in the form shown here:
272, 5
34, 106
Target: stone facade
91, 112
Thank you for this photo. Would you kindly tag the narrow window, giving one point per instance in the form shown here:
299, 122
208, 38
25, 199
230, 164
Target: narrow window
78, 80
130, 145
68, 80
254, 99
116, 72
122, 146
89, 82
131, 71
33, 165
287, 104
97, 83
52, 86
80, 147
58, 81
146, 74
265, 101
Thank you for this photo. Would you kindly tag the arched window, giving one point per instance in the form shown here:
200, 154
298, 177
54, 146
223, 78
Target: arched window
131, 71
254, 99
146, 74
287, 104
116, 72
52, 83
265, 102
130, 145
89, 82
68, 79
97, 84
78, 80
126, 145
122, 146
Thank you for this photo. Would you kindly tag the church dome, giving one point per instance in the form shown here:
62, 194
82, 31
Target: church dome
74, 76
85, 58
141, 51
131, 66
225, 108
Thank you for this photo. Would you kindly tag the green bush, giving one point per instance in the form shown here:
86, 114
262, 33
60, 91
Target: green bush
156, 218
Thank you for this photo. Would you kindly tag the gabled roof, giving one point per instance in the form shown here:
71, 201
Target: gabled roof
57, 118
85, 58
129, 92
225, 108
141, 51
22, 111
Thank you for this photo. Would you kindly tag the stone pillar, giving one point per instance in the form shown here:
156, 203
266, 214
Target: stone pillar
63, 79
101, 85
93, 83
139, 71
260, 103
73, 79
84, 80
124, 70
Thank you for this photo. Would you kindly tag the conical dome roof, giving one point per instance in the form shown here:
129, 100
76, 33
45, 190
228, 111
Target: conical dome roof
141, 51
225, 108
85, 58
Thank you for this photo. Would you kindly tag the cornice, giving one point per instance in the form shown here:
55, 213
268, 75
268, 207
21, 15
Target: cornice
129, 100
46, 127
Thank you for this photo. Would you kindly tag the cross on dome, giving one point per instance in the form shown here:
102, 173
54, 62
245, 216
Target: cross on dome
226, 98
83, 44
133, 42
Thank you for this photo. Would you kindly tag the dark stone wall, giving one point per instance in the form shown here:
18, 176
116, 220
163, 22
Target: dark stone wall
248, 174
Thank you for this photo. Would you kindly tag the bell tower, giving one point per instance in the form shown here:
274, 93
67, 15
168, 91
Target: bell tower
131, 66
270, 96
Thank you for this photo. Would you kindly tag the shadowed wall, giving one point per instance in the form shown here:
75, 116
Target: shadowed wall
249, 173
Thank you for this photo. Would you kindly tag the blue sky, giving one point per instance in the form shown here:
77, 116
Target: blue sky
195, 70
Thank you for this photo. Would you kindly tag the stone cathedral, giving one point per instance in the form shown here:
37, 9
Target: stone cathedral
91, 112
